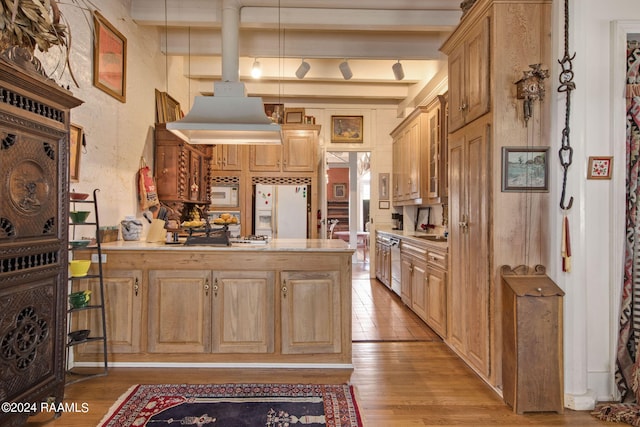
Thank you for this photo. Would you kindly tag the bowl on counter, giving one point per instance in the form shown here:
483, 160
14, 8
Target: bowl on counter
79, 267
79, 217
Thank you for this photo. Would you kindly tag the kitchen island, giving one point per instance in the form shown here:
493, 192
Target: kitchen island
285, 303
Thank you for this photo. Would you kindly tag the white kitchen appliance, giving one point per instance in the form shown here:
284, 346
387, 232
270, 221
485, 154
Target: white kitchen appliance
280, 211
224, 195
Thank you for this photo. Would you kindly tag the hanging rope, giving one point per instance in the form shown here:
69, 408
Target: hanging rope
566, 85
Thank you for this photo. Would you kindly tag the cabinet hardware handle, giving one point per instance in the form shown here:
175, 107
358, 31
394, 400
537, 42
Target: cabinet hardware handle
462, 107
284, 289
206, 287
136, 287
215, 288
224, 161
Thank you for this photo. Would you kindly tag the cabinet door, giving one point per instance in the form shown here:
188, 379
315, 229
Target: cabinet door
179, 311
265, 158
457, 88
310, 312
227, 157
436, 306
243, 307
435, 158
399, 171
413, 161
419, 288
299, 151
194, 176
477, 71
123, 312
405, 279
170, 165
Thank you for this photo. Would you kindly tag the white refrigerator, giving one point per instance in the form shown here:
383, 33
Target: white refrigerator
281, 211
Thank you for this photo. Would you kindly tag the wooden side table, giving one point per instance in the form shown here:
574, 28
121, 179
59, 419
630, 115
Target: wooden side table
532, 354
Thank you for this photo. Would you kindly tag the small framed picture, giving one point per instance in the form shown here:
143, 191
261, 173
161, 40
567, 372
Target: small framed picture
383, 186
294, 115
525, 169
346, 128
600, 167
339, 191
76, 134
109, 59
384, 204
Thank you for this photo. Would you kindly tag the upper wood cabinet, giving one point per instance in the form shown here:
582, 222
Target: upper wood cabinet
298, 152
418, 160
227, 157
182, 171
469, 76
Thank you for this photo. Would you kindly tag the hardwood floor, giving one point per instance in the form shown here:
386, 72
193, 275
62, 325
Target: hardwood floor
404, 376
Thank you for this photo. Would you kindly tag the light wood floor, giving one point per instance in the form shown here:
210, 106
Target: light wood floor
404, 376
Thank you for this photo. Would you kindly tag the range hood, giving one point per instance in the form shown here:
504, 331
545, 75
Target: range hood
229, 116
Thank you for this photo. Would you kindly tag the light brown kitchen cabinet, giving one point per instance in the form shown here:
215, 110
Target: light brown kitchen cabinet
495, 42
182, 171
243, 311
179, 311
383, 260
436, 293
298, 152
123, 306
469, 76
227, 157
310, 312
437, 160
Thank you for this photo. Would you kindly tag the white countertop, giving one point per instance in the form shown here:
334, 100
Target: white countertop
414, 237
283, 245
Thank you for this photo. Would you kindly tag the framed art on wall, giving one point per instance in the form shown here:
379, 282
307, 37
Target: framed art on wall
294, 115
525, 169
109, 59
76, 133
346, 128
383, 186
600, 167
339, 191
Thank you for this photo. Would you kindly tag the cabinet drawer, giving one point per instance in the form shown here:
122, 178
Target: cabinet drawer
437, 259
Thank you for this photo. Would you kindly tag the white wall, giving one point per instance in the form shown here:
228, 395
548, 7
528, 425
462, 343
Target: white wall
117, 134
597, 231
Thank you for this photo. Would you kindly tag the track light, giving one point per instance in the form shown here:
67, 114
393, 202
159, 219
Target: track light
256, 69
345, 70
398, 72
303, 69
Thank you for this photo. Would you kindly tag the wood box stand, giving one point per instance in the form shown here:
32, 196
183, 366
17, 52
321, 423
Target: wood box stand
532, 359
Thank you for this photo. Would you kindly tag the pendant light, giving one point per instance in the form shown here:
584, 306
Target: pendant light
398, 72
345, 70
229, 116
256, 69
303, 69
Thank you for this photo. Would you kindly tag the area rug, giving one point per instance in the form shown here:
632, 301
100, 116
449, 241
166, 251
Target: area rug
235, 405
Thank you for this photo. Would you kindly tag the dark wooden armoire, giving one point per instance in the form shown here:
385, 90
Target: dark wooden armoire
34, 176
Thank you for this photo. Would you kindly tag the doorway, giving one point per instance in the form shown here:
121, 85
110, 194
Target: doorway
346, 201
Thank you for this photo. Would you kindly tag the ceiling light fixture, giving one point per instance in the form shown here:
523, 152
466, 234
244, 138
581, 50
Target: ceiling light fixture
230, 116
345, 70
398, 72
256, 69
303, 69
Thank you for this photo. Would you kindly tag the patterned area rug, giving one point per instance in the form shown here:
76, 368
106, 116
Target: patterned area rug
235, 405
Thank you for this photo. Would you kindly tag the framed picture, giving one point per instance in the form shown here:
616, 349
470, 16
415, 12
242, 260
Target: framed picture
109, 58
383, 186
167, 108
346, 129
294, 115
600, 167
76, 133
275, 112
339, 191
525, 169
384, 204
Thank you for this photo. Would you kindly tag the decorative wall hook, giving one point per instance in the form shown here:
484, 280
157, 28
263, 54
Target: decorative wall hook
531, 88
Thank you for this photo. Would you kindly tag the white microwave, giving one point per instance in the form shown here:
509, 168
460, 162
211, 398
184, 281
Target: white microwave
224, 195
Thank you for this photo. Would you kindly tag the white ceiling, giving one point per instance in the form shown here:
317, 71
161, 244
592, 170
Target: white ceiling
371, 34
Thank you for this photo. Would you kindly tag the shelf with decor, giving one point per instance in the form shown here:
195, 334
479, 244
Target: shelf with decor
85, 283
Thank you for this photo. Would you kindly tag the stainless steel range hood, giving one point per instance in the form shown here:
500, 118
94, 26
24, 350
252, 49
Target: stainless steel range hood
229, 116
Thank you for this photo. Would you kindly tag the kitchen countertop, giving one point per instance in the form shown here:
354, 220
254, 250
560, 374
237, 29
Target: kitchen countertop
281, 245
413, 237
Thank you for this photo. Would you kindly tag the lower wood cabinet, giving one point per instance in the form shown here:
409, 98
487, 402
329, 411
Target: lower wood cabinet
179, 314
311, 312
243, 312
123, 312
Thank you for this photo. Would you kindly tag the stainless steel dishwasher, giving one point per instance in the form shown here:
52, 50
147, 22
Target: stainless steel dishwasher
394, 242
